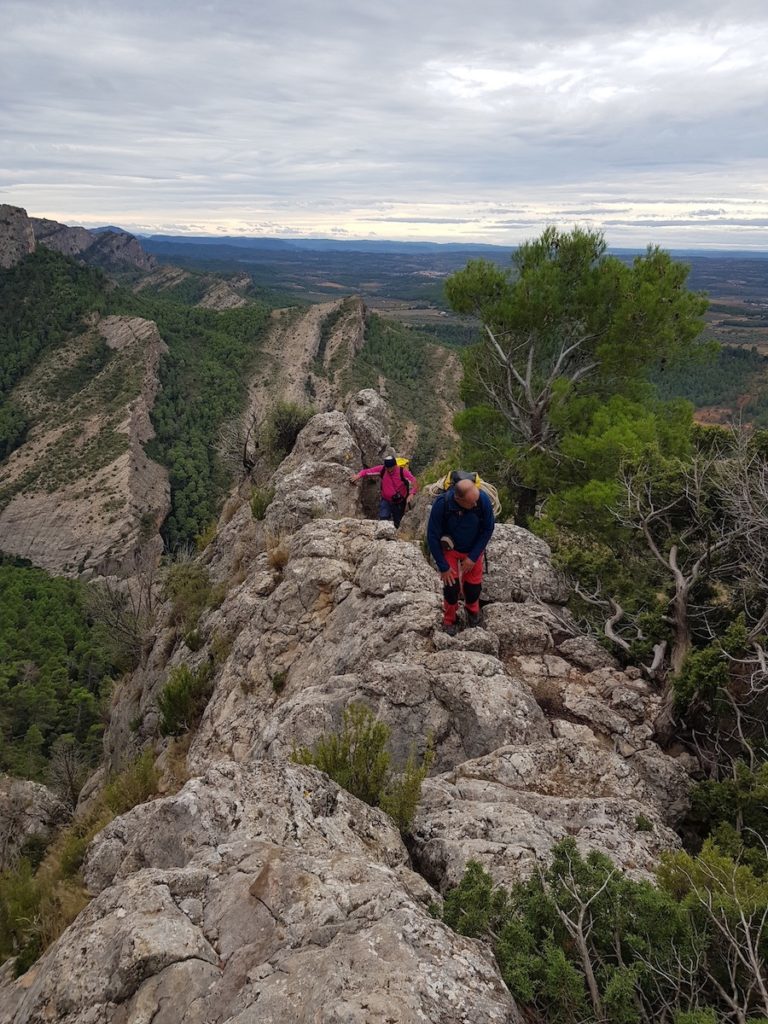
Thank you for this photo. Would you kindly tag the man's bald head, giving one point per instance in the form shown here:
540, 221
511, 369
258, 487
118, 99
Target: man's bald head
466, 493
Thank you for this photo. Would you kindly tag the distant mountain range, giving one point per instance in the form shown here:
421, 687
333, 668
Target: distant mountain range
375, 245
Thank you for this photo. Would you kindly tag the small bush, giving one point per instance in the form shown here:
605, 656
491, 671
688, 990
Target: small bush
206, 537
278, 553
188, 587
279, 680
184, 698
282, 426
193, 639
134, 785
358, 760
221, 645
261, 498
643, 824
703, 1017
36, 906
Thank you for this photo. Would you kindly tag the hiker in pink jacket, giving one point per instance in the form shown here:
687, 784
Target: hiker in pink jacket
398, 485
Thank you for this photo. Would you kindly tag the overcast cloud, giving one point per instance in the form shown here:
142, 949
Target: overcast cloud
450, 121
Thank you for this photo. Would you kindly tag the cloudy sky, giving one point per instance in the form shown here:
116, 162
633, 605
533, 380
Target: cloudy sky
478, 121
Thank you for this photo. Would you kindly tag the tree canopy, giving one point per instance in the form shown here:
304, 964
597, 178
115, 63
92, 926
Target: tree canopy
567, 321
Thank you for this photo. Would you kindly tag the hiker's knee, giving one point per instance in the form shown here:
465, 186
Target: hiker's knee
385, 509
472, 593
451, 594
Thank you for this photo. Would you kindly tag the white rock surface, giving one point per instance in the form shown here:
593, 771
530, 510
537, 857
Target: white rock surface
262, 892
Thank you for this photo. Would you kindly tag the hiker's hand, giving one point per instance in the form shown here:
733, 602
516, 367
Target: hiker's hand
447, 577
467, 565
354, 478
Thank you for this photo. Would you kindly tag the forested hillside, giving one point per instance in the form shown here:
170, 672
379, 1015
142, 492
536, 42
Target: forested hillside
56, 666
732, 380
48, 297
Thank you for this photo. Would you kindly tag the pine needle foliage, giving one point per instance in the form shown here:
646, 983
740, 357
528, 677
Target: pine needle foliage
359, 760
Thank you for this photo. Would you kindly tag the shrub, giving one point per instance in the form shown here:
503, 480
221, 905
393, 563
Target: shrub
36, 906
260, 501
193, 639
134, 785
702, 1017
221, 645
184, 698
279, 680
188, 587
705, 674
282, 426
206, 536
278, 552
358, 760
581, 941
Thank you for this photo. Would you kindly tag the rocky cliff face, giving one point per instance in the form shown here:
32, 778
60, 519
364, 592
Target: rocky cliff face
261, 891
110, 250
17, 239
308, 356
27, 811
304, 349
80, 496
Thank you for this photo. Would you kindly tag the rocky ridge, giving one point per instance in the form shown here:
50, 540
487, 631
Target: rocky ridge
17, 237
28, 811
110, 250
261, 890
115, 250
304, 351
80, 495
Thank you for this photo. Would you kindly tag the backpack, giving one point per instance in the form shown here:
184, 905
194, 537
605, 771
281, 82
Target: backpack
402, 465
452, 478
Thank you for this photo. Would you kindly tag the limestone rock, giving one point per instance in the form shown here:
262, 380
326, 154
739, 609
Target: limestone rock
316, 490
221, 295
85, 499
266, 894
110, 250
327, 437
27, 810
586, 652
353, 619
61, 238
508, 810
520, 567
524, 628
17, 238
368, 417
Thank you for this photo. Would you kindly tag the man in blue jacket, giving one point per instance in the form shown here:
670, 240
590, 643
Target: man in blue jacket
460, 525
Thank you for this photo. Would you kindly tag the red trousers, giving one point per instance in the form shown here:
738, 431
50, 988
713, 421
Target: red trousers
467, 584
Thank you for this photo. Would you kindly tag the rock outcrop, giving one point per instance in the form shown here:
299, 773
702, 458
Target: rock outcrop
110, 250
81, 496
225, 295
258, 893
261, 890
305, 351
309, 358
28, 811
17, 239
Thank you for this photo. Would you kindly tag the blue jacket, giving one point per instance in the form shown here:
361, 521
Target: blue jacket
469, 529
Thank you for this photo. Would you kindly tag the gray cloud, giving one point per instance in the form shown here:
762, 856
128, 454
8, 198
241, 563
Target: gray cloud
307, 118
419, 220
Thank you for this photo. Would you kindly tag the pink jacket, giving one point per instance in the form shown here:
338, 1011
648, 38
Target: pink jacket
392, 481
